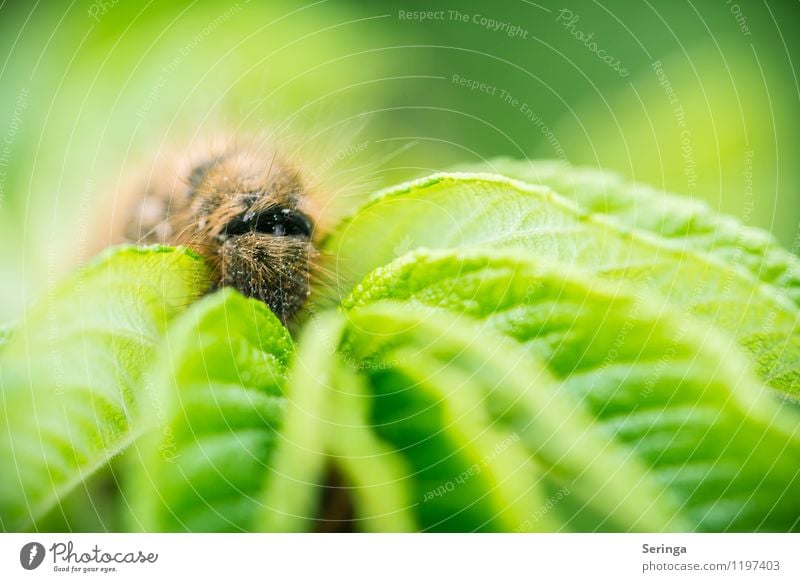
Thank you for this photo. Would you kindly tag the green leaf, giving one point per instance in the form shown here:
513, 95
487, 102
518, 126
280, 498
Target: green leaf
465, 473
463, 210
297, 468
326, 425
215, 398
395, 484
667, 386
71, 374
446, 384
378, 475
681, 221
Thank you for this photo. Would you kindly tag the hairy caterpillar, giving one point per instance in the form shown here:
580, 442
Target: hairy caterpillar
248, 210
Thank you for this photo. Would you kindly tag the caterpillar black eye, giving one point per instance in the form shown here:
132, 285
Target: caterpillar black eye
275, 222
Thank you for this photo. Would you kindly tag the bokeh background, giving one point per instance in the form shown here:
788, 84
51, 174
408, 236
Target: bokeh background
700, 98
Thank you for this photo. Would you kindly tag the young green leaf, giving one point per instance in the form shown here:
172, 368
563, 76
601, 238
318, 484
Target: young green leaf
466, 473
664, 384
462, 210
679, 220
434, 366
289, 498
379, 476
216, 404
326, 425
71, 374
394, 487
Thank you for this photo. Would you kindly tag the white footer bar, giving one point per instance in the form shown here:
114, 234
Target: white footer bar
406, 558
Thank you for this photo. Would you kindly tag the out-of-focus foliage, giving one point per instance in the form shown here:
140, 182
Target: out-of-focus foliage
91, 90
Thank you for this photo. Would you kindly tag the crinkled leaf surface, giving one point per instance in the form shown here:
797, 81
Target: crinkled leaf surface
679, 221
473, 369
215, 397
666, 386
466, 472
463, 210
71, 374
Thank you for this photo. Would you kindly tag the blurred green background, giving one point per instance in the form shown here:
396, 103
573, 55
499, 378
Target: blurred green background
697, 98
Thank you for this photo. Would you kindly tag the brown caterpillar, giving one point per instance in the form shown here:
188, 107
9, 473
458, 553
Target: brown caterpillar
248, 210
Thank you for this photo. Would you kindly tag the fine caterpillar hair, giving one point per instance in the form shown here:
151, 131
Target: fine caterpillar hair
255, 206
